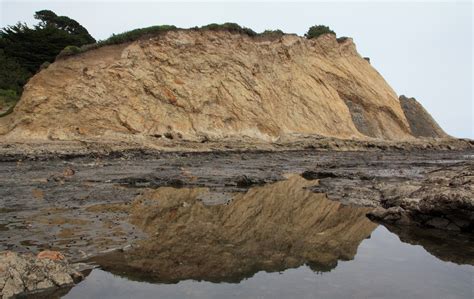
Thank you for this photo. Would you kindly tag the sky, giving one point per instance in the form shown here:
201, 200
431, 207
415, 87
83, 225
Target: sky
423, 49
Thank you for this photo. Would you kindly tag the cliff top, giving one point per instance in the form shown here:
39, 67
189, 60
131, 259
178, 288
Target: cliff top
158, 30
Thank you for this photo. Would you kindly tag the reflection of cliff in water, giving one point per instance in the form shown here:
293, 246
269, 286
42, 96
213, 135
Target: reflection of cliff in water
445, 245
270, 228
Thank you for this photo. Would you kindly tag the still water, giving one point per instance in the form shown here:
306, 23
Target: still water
383, 267
276, 241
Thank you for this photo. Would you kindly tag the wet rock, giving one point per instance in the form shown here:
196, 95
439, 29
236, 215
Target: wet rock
452, 227
442, 198
150, 181
438, 222
315, 175
173, 182
245, 181
25, 273
391, 215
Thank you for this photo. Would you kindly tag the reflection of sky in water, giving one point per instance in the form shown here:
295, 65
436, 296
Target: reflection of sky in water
384, 267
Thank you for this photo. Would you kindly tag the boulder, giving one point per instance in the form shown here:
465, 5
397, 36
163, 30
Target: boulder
26, 273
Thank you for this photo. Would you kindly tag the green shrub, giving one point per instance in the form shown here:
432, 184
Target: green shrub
212, 26
45, 65
12, 75
136, 34
342, 39
8, 95
272, 33
9, 98
318, 30
231, 27
69, 51
120, 38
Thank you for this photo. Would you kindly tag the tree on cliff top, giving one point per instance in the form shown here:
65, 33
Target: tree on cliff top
31, 47
23, 49
318, 30
48, 18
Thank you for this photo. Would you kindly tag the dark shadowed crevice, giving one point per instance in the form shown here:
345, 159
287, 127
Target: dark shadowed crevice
359, 116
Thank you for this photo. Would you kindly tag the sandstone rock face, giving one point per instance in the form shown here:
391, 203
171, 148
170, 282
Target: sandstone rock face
201, 85
25, 273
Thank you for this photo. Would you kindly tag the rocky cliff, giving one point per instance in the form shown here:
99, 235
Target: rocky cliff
203, 85
420, 121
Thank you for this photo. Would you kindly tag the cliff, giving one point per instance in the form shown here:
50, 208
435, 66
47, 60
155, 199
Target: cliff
210, 85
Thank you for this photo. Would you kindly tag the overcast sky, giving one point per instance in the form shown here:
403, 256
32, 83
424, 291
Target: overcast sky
423, 49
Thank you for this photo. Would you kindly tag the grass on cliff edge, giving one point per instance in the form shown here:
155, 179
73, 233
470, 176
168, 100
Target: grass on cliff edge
142, 33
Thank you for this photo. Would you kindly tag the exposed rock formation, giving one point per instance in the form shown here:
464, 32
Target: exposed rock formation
420, 121
202, 85
442, 198
271, 228
25, 273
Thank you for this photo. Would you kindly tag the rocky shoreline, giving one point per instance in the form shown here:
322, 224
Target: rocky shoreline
441, 198
71, 149
83, 203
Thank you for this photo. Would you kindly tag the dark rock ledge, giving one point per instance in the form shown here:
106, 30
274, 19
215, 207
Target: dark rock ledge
442, 198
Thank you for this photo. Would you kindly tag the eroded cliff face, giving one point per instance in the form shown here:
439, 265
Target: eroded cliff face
199, 85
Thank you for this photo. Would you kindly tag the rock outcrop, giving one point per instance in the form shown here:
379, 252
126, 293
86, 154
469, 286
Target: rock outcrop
207, 85
24, 273
420, 121
441, 198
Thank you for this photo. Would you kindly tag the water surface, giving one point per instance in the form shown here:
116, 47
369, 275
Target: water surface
279, 240
384, 267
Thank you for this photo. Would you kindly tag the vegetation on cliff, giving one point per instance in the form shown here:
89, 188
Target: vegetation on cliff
317, 31
231, 27
24, 49
153, 31
31, 47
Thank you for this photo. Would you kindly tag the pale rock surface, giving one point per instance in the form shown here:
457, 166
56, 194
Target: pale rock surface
25, 273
